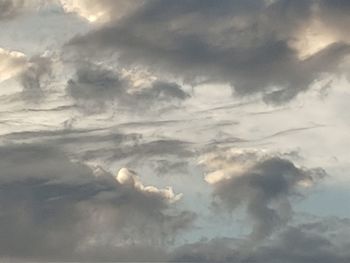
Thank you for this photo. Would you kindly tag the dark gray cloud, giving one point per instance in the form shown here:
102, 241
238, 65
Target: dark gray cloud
247, 44
142, 124
297, 244
336, 14
155, 148
53, 208
141, 150
95, 87
112, 144
264, 186
56, 209
74, 139
10, 8
32, 77
163, 91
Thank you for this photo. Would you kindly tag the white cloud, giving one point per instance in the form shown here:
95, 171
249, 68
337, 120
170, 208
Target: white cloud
234, 162
129, 178
11, 63
99, 11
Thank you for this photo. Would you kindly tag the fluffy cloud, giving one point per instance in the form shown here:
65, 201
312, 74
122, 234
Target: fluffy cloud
29, 71
100, 10
11, 64
255, 46
129, 178
263, 183
66, 209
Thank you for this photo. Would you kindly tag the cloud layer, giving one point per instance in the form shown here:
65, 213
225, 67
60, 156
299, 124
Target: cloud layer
174, 131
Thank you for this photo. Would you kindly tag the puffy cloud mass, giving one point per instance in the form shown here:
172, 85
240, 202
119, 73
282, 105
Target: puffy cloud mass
277, 48
54, 208
67, 210
29, 71
11, 63
261, 182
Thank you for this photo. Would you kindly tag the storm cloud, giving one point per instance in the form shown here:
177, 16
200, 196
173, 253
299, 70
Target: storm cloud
255, 46
62, 208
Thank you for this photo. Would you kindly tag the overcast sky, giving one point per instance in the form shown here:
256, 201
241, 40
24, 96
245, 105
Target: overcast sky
182, 131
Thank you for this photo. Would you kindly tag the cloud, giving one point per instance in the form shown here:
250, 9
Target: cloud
335, 13
130, 179
100, 10
10, 8
29, 71
296, 244
11, 63
113, 110
66, 209
31, 79
143, 150
76, 141
255, 46
95, 87
262, 183
162, 91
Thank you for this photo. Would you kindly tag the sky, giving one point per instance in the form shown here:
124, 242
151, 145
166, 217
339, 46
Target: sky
174, 131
